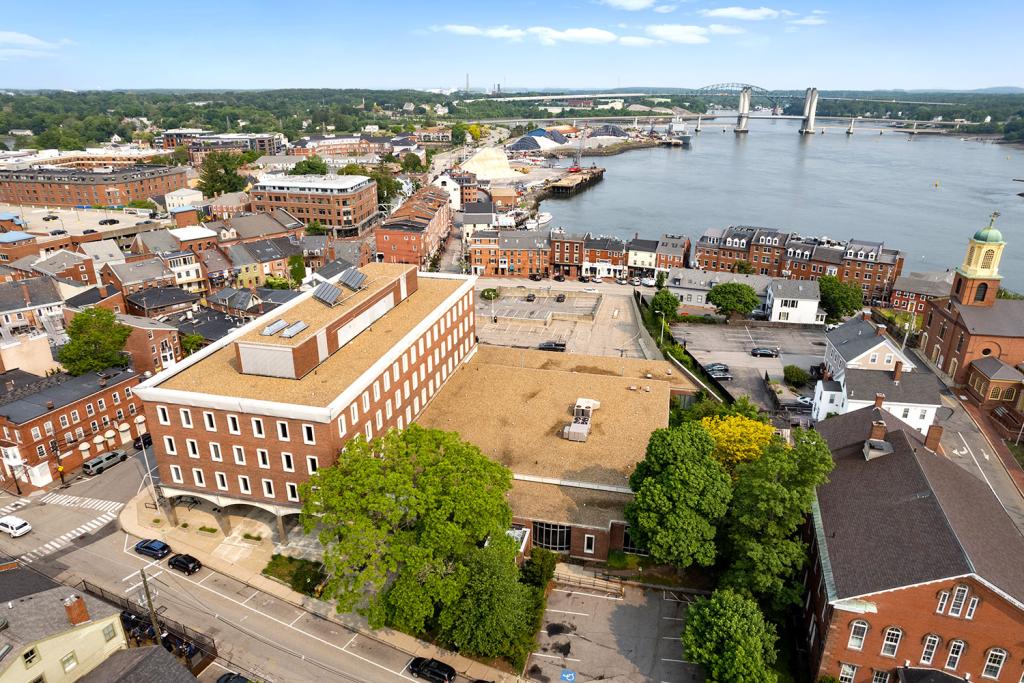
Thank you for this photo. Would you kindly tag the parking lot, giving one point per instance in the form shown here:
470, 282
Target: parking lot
731, 344
602, 636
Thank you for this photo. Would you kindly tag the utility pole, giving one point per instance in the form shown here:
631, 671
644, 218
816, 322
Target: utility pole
149, 606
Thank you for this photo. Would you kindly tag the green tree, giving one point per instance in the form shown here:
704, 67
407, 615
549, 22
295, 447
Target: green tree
728, 636
180, 155
706, 407
388, 186
659, 279
839, 299
398, 517
665, 303
190, 343
744, 267
274, 282
96, 342
411, 163
311, 165
681, 494
296, 268
218, 174
459, 134
315, 227
771, 499
796, 375
142, 204
733, 298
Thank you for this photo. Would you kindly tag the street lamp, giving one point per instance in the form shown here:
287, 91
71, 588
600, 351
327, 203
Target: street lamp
661, 339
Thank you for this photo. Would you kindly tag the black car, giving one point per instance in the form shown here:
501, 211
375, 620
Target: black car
536, 277
232, 678
717, 367
764, 352
58, 232
531, 297
558, 346
90, 231
109, 221
50, 218
560, 298
431, 670
583, 278
720, 376
151, 547
185, 563
144, 440
559, 278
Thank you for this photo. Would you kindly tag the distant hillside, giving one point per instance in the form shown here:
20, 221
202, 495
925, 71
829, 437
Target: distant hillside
1000, 90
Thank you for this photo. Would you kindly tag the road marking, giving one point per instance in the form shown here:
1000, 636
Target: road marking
250, 597
297, 618
205, 578
136, 585
978, 465
674, 618
568, 659
677, 661
351, 641
16, 505
559, 611
149, 564
65, 500
63, 540
589, 595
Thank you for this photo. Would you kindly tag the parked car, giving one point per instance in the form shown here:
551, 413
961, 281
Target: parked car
759, 315
151, 547
716, 367
720, 376
432, 670
621, 281
636, 282
231, 677
103, 461
536, 277
185, 563
805, 400
764, 352
583, 278
144, 440
58, 232
560, 298
14, 526
558, 346
596, 279
647, 281
51, 217
559, 278
831, 326
90, 231
531, 297
109, 221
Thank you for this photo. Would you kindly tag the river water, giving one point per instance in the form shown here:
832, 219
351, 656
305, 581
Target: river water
925, 195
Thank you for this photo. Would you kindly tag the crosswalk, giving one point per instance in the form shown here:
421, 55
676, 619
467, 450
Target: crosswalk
16, 505
64, 540
80, 502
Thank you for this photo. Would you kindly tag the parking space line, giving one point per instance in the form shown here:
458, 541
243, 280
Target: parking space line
674, 618
678, 661
559, 611
567, 659
351, 641
251, 597
589, 595
297, 618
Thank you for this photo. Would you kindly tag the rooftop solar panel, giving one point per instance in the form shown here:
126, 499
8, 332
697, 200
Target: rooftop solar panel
273, 328
352, 278
327, 293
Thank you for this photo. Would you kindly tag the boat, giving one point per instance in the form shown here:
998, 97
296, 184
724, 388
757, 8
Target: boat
543, 218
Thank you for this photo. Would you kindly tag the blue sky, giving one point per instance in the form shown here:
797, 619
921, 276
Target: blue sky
575, 43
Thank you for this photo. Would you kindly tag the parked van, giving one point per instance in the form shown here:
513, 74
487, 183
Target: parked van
104, 461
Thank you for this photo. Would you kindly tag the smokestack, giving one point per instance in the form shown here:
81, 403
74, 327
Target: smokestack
931, 440
897, 372
879, 400
877, 430
76, 610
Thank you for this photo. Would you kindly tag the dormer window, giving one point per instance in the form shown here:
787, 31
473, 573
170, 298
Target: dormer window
850, 253
871, 256
860, 254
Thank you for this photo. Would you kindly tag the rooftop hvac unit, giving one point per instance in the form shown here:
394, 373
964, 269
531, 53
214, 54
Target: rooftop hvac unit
577, 430
585, 406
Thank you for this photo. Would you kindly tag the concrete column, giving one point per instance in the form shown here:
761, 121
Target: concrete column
223, 522
281, 530
744, 111
170, 512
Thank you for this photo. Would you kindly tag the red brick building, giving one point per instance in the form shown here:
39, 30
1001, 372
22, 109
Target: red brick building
567, 252
911, 292
64, 265
604, 257
74, 187
510, 253
914, 562
673, 252
345, 204
417, 229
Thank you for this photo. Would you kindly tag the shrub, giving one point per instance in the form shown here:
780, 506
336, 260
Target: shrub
539, 569
208, 529
796, 376
252, 537
489, 294
698, 319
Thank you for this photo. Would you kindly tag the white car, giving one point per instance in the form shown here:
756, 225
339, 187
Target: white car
14, 526
636, 282
647, 282
805, 400
596, 279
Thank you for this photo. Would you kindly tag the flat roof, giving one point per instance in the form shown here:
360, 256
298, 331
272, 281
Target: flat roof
516, 414
75, 221
337, 182
218, 374
567, 504
316, 315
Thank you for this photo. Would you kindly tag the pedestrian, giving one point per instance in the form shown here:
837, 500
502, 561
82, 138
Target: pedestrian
60, 471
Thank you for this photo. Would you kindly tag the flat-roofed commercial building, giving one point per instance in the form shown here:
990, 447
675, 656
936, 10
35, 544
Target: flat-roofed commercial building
91, 157
346, 204
77, 187
250, 417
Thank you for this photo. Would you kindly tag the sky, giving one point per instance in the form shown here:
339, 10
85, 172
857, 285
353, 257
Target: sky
218, 44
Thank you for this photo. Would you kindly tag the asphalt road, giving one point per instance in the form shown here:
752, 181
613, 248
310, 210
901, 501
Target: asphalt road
75, 535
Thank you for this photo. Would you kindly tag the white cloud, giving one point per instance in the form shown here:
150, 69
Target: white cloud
505, 32
628, 5
638, 41
819, 11
679, 33
726, 30
15, 45
551, 36
742, 13
809, 21
665, 9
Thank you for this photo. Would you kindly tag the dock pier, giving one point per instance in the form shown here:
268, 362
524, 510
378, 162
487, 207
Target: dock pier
574, 182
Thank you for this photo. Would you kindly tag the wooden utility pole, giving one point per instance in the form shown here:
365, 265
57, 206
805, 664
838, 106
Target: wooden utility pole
149, 606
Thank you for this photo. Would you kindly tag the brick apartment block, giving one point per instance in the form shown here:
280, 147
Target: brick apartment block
76, 187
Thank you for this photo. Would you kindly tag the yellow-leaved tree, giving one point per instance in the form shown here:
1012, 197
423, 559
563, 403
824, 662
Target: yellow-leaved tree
737, 438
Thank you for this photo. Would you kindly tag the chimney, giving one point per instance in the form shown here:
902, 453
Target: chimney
49, 405
879, 400
877, 430
865, 315
9, 385
897, 372
103, 289
77, 612
25, 293
931, 440
879, 330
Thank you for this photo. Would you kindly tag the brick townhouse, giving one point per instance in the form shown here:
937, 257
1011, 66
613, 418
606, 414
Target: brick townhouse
345, 204
135, 276
15, 244
247, 419
911, 292
62, 420
78, 187
418, 229
567, 252
604, 256
64, 265
511, 253
32, 304
673, 251
914, 564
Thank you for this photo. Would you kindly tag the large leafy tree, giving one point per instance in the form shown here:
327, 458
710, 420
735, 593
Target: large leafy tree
733, 298
96, 341
219, 174
771, 499
681, 494
737, 438
398, 516
296, 268
665, 303
311, 165
839, 299
728, 636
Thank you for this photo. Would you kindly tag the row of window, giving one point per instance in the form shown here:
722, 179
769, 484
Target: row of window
244, 483
994, 660
283, 429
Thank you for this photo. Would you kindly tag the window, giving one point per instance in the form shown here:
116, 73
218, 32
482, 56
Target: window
193, 448
282, 430
858, 631
263, 457
994, 663
76, 418
30, 657
287, 464
891, 642
233, 427
168, 445
588, 544
880, 677
888, 359
109, 632
308, 435
312, 464
268, 488
873, 358
210, 421
847, 672
101, 404
176, 474
943, 599
222, 480
956, 649
64, 420
257, 427
972, 607
959, 597
551, 536
186, 417
293, 491
931, 643
243, 484
197, 477
69, 661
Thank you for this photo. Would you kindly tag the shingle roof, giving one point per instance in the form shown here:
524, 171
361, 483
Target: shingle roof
159, 297
604, 243
638, 244
208, 323
908, 674
58, 261
1004, 318
478, 207
140, 271
158, 241
909, 516
248, 226
671, 244
928, 284
854, 337
31, 394
996, 369
332, 268
796, 289
688, 278
239, 255
31, 292
102, 251
921, 387
151, 664
89, 297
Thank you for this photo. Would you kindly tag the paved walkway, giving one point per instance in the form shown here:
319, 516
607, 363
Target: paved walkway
245, 562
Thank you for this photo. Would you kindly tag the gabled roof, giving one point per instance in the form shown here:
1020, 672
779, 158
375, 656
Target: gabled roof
31, 394
921, 388
604, 243
673, 245
276, 296
909, 516
913, 674
689, 278
239, 255
478, 207
215, 261
32, 292
158, 241
1004, 318
638, 244
252, 225
235, 299
159, 297
332, 268
996, 369
102, 251
59, 260
855, 337
140, 271
211, 325
151, 664
90, 297
928, 284
795, 289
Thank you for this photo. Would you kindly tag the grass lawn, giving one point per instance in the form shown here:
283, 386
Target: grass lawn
302, 575
1018, 452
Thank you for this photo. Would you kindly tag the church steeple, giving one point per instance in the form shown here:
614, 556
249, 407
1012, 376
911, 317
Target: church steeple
976, 281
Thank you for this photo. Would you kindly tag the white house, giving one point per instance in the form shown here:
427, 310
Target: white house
642, 257
179, 199
452, 188
794, 301
860, 344
692, 286
477, 216
911, 396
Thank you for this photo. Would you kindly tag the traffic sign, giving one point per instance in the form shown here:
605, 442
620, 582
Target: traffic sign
568, 675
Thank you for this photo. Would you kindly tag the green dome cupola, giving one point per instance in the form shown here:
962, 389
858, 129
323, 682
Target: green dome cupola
990, 234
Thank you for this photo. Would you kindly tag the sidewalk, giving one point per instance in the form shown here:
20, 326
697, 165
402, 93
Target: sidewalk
246, 564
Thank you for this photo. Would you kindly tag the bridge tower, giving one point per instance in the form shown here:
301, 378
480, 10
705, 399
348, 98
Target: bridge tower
744, 111
810, 111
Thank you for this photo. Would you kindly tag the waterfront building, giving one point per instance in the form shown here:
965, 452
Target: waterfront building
673, 251
911, 292
345, 205
604, 257
794, 302
417, 230
642, 257
510, 253
913, 562
70, 187
567, 252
